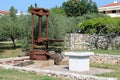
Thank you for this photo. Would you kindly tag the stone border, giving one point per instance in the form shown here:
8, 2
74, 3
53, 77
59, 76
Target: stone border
12, 60
105, 58
15, 58
58, 74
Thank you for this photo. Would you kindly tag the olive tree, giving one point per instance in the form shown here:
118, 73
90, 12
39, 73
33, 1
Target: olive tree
9, 29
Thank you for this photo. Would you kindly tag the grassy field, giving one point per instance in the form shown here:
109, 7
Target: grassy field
7, 50
99, 51
112, 52
10, 53
15, 75
115, 74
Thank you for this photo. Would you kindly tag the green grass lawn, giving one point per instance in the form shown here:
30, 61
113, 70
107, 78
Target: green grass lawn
10, 53
7, 50
116, 67
115, 74
15, 75
99, 51
112, 52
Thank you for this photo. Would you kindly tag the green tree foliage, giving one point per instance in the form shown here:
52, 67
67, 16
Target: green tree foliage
102, 26
17, 29
93, 25
78, 20
94, 8
13, 12
59, 25
79, 7
35, 5
114, 25
25, 25
58, 10
31, 6
9, 28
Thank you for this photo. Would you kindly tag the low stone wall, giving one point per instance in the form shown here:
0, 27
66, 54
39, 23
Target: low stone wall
76, 41
105, 58
58, 74
13, 60
88, 42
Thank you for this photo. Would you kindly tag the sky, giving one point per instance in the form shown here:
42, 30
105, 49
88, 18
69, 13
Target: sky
22, 5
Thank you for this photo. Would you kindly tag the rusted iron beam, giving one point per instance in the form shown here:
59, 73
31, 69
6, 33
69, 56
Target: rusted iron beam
55, 40
40, 26
40, 11
46, 26
39, 55
32, 34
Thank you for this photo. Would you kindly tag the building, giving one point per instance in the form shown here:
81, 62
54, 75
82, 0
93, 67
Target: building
7, 13
112, 9
22, 13
4, 12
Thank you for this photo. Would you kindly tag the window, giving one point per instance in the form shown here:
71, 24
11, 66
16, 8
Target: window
113, 11
104, 12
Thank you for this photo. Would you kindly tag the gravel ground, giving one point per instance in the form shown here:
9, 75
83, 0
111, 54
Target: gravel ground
65, 68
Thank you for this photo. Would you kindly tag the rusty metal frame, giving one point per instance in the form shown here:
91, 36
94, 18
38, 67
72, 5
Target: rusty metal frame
39, 55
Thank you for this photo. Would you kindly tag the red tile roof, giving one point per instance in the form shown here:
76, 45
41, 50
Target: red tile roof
4, 12
112, 4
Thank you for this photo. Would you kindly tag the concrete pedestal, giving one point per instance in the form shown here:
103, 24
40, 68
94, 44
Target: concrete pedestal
78, 61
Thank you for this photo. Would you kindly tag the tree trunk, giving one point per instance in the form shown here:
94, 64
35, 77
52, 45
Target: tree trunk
13, 41
96, 42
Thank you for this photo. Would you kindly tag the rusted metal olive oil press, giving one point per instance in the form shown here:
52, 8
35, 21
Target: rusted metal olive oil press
40, 54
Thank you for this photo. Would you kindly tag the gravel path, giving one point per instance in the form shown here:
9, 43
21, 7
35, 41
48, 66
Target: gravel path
65, 68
